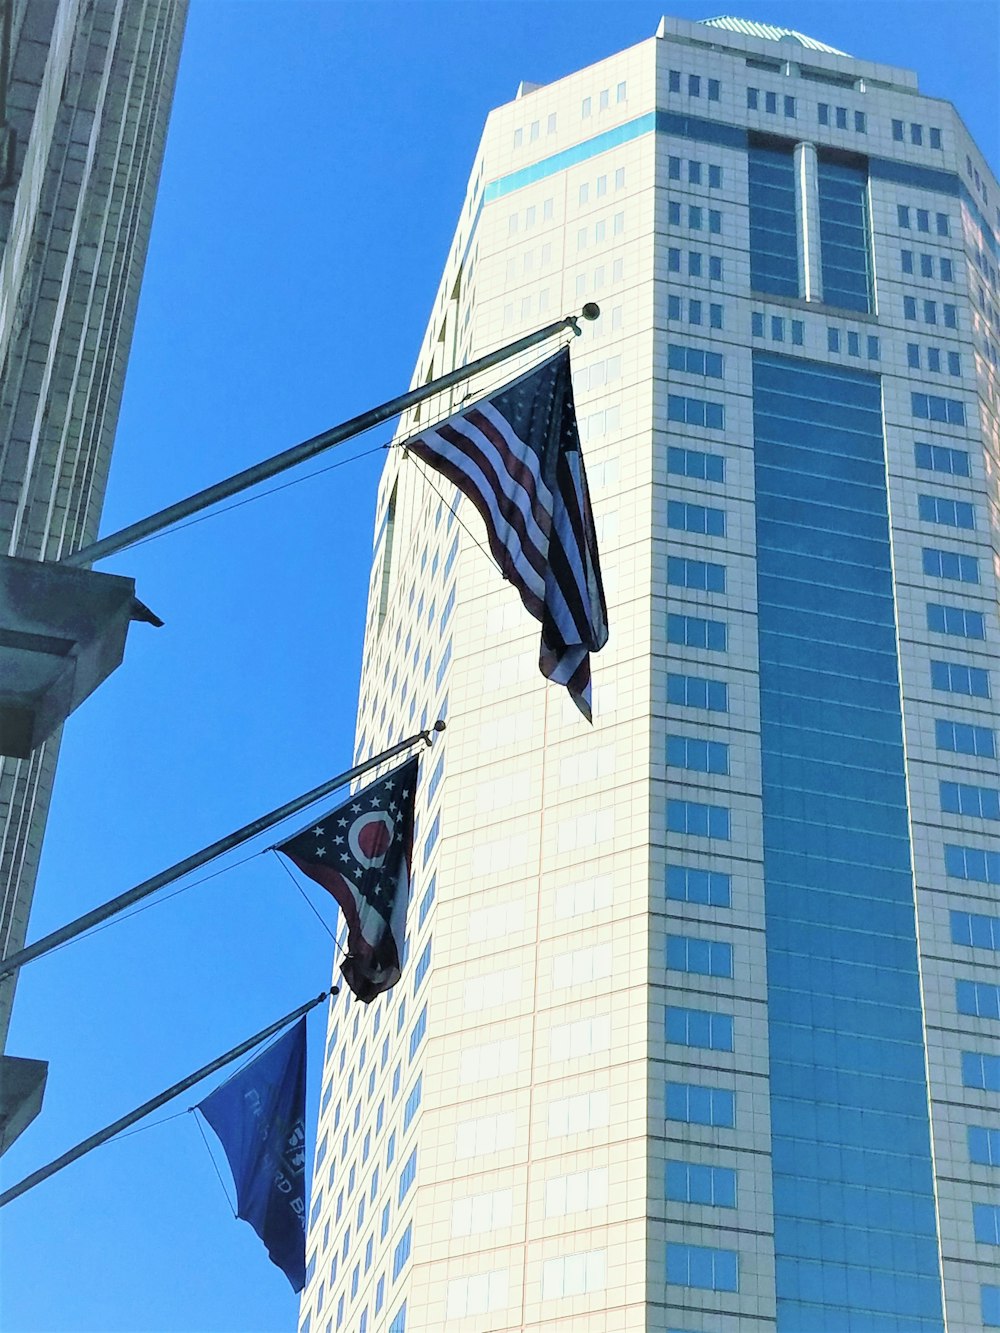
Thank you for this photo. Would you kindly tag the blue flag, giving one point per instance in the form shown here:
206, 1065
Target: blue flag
259, 1116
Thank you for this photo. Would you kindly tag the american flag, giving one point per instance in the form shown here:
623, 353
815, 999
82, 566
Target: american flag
360, 852
516, 455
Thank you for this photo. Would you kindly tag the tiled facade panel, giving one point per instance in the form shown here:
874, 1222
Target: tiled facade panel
698, 1030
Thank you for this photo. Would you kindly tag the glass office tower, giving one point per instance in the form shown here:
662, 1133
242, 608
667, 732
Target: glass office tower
700, 1026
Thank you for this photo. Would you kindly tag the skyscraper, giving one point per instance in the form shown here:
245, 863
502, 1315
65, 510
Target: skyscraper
700, 1025
85, 92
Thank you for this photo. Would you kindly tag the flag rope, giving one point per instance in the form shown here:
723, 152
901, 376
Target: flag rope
309, 903
154, 1103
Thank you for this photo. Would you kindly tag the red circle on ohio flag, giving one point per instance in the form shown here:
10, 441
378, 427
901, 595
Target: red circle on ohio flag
370, 837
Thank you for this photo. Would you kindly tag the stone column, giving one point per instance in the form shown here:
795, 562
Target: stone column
807, 210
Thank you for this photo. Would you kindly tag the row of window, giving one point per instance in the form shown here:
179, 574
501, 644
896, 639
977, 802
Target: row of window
697, 217
910, 218
695, 264
600, 186
695, 84
929, 312
932, 359
976, 864
696, 309
697, 173
923, 264
916, 134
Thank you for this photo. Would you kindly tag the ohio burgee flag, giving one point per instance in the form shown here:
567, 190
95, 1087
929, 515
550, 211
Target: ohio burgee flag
516, 455
360, 852
259, 1116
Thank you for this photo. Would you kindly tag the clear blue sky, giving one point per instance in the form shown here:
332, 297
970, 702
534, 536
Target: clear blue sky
317, 158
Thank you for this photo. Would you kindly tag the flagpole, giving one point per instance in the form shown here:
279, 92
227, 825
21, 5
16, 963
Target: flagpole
298, 453
109, 1131
115, 905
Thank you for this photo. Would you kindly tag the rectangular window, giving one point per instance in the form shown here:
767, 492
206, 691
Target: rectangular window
703, 958
943, 225
700, 575
986, 1223
860, 123
917, 134
698, 820
709, 888
949, 513
702, 1267
903, 215
694, 632
774, 264
923, 220
753, 99
913, 361
940, 458
981, 1071
673, 168
833, 339
841, 114
874, 350
935, 137
694, 217
964, 738
956, 620
950, 565
790, 107
699, 1028
697, 692
412, 1103
954, 364
417, 1032
694, 173
407, 1175
694, 360
947, 271
694, 85
975, 864
950, 315
956, 678
823, 113
984, 1146
933, 358
694, 263
423, 963
960, 798
897, 131
844, 234
906, 260
402, 1251
771, 103
715, 316
673, 260
714, 90
695, 1105
977, 999
398, 1324
689, 1182
674, 80
798, 332
695, 463
701, 519
714, 177
698, 756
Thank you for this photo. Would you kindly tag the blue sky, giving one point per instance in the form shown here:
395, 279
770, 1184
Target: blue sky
317, 158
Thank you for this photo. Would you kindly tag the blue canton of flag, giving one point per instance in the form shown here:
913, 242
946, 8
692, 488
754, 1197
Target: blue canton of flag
259, 1117
516, 455
360, 852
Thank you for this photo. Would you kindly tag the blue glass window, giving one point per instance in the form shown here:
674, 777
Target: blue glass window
981, 1071
699, 756
959, 679
673, 259
423, 963
426, 901
964, 738
398, 1324
972, 863
674, 80
690, 1182
978, 999
932, 407
774, 261
947, 271
753, 99
949, 513
844, 234
975, 931
715, 316
986, 1223
756, 324
714, 93
903, 215
417, 1033
698, 819
701, 1266
690, 884
956, 620
694, 632
939, 458
407, 1175
703, 958
694, 360
906, 260
402, 1251
695, 463
701, 519
695, 411
715, 268
700, 575
961, 798
698, 692
412, 1103
823, 112
696, 1105
984, 1146
990, 1304
950, 565
699, 1028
